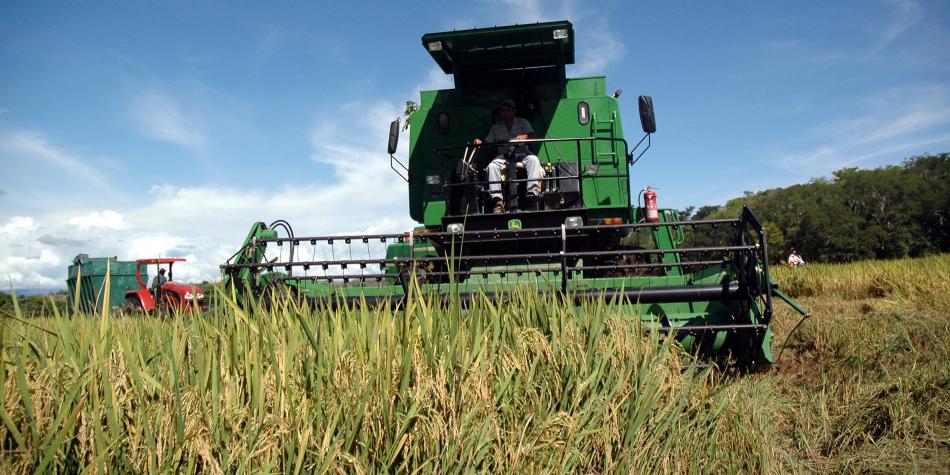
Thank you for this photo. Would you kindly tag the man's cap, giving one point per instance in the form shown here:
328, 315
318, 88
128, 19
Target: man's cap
509, 102
161, 271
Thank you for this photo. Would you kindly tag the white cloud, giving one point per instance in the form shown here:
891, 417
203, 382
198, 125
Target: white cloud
522, 11
33, 150
900, 121
597, 46
601, 47
23, 261
206, 224
18, 224
106, 219
435, 79
161, 118
906, 13
900, 17
357, 149
155, 245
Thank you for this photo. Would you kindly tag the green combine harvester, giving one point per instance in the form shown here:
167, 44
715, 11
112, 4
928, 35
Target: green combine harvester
576, 231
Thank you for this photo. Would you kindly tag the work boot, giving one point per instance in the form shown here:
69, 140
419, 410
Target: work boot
499, 206
530, 203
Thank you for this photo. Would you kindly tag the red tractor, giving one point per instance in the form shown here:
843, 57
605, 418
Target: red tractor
170, 296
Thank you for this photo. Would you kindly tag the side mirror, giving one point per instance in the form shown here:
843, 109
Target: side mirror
394, 136
647, 120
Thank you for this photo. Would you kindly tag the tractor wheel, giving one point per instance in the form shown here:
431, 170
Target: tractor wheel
133, 306
172, 302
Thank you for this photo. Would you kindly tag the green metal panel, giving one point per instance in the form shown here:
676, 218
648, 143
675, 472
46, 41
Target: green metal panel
557, 118
502, 47
89, 274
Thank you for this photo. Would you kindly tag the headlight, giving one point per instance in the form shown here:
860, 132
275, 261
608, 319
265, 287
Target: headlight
201, 295
189, 296
455, 228
573, 222
433, 180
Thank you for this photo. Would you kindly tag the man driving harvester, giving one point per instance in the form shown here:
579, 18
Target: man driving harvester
510, 129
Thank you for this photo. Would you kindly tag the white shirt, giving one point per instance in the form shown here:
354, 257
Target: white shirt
795, 261
500, 133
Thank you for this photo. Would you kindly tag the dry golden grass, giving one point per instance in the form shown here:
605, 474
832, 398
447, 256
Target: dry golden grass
866, 383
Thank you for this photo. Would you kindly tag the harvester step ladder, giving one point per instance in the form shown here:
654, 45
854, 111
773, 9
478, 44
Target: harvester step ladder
604, 128
596, 124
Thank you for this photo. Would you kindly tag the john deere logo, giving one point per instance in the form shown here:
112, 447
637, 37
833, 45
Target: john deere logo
514, 224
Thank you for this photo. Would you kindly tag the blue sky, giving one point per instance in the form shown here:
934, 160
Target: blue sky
139, 129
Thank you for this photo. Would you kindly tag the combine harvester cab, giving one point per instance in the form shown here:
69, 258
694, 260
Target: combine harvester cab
582, 237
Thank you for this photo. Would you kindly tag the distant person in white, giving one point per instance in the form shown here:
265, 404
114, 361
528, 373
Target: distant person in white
511, 128
795, 260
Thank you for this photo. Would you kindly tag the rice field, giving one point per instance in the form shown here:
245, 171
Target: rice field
527, 387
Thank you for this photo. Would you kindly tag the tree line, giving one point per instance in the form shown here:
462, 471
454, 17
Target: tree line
888, 212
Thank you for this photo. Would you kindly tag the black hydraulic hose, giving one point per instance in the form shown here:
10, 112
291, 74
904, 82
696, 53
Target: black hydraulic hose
785, 343
290, 233
284, 224
641, 208
279, 221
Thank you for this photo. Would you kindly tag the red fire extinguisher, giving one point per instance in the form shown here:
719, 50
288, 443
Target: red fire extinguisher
649, 202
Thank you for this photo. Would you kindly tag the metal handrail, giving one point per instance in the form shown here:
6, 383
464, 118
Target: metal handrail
579, 177
402, 237
494, 259
439, 150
